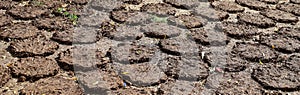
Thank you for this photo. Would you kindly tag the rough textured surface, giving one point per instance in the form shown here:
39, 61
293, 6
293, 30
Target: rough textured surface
5, 20
140, 74
34, 68
281, 43
183, 3
131, 53
181, 68
105, 5
188, 21
39, 46
239, 30
56, 23
27, 12
181, 87
270, 1
98, 81
81, 58
256, 19
127, 33
149, 47
5, 75
295, 1
280, 16
228, 6
291, 32
241, 81
253, 4
159, 9
255, 52
178, 46
19, 31
122, 15
56, 85
162, 31
211, 14
288, 7
277, 76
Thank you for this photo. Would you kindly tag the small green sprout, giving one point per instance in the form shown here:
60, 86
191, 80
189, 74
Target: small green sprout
71, 16
125, 73
159, 19
66, 13
260, 62
60, 10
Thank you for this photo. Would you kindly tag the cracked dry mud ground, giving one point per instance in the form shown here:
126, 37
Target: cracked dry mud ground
150, 47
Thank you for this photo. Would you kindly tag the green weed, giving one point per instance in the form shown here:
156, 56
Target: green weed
69, 15
159, 19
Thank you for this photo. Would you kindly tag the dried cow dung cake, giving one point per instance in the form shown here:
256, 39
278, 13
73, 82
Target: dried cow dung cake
255, 52
291, 32
187, 21
78, 35
80, 58
238, 30
161, 30
179, 46
207, 37
133, 53
280, 76
94, 19
19, 31
158, 8
127, 33
280, 16
185, 4
39, 46
289, 7
34, 68
228, 6
55, 23
211, 14
256, 19
63, 37
228, 61
97, 81
238, 83
54, 86
29, 12
281, 43
189, 68
181, 87
105, 5
140, 74
121, 15
253, 4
